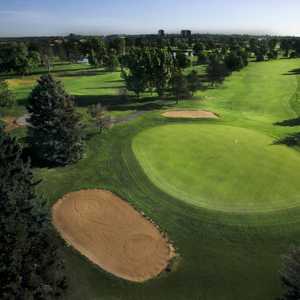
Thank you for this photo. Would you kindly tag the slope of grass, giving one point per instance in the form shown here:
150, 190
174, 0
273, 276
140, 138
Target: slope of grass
220, 167
223, 255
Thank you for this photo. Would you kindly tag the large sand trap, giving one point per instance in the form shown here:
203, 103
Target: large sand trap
113, 235
190, 114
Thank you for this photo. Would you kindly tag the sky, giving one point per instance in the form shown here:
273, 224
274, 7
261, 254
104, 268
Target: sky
61, 17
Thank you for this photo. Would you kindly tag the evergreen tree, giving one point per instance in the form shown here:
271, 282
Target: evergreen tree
30, 264
290, 275
7, 98
55, 134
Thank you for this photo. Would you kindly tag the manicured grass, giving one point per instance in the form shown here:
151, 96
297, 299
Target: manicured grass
224, 255
220, 167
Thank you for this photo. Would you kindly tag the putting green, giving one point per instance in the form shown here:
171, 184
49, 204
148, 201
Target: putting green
219, 167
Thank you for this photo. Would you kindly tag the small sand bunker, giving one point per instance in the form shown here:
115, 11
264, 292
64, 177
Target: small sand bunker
11, 124
110, 233
190, 114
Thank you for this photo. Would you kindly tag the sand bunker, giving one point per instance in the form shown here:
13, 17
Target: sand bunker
190, 114
110, 233
11, 123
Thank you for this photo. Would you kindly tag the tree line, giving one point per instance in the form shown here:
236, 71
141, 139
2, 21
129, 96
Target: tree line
24, 56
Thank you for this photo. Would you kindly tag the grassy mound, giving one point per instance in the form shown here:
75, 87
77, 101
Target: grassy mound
220, 167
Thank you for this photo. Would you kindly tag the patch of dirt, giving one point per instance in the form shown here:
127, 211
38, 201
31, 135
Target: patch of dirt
190, 114
111, 234
11, 123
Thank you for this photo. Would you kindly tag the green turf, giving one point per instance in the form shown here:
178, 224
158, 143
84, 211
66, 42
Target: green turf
223, 255
220, 167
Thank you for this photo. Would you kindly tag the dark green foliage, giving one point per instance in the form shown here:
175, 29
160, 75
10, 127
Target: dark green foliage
160, 69
7, 98
30, 266
202, 58
290, 275
148, 69
194, 82
216, 70
182, 61
55, 134
234, 62
16, 57
198, 48
179, 86
273, 54
95, 49
111, 62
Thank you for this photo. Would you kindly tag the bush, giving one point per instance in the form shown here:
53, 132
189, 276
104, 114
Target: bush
7, 99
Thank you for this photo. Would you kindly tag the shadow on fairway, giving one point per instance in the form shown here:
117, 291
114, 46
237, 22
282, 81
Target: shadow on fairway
293, 72
82, 73
291, 140
124, 103
289, 123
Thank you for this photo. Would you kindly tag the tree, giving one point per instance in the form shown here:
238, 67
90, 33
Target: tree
179, 86
99, 116
198, 48
112, 62
30, 263
95, 49
7, 99
55, 134
15, 57
194, 82
182, 60
159, 69
216, 70
234, 62
202, 58
134, 71
290, 274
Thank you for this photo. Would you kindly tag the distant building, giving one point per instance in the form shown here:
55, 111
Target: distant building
161, 32
83, 60
186, 33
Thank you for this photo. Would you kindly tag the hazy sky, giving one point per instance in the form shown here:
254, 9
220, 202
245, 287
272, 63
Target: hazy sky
53, 17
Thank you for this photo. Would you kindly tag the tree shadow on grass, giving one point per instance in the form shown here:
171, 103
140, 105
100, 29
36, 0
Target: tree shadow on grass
115, 102
293, 72
291, 140
289, 123
81, 73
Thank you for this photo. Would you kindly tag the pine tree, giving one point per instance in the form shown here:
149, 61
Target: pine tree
30, 265
7, 99
55, 134
290, 275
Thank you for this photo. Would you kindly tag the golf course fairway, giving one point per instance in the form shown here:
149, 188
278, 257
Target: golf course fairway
220, 167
